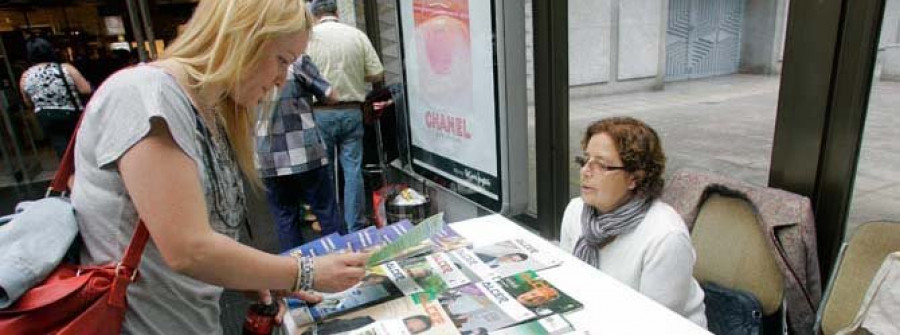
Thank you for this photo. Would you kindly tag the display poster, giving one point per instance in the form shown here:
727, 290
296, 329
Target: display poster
449, 66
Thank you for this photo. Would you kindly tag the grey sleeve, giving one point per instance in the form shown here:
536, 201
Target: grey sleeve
125, 108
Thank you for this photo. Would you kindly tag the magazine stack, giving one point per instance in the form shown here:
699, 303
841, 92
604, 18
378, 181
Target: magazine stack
427, 279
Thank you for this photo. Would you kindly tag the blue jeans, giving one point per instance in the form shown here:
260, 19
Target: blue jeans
344, 128
284, 194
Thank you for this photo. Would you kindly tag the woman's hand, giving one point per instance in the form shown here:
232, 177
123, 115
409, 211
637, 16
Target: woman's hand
266, 297
379, 105
332, 97
338, 272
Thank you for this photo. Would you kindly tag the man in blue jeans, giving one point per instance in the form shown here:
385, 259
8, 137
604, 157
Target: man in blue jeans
291, 157
348, 61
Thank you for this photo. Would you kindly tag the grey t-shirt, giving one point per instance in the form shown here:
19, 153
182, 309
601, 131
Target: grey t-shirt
119, 115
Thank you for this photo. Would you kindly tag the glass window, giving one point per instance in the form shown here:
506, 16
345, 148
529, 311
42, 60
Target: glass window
703, 73
876, 189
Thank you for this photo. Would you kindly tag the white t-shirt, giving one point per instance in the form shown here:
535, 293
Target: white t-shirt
656, 259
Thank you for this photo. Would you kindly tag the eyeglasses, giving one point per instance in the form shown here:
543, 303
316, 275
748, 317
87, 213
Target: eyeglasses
595, 165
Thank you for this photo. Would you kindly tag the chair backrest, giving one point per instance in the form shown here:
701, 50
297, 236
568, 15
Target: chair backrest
732, 251
854, 271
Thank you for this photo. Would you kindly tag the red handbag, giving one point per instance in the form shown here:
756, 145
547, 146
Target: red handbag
77, 299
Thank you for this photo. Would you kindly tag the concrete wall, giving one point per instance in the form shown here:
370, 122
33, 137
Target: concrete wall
889, 54
762, 14
614, 46
762, 36
757, 38
636, 57
639, 38
590, 36
781, 29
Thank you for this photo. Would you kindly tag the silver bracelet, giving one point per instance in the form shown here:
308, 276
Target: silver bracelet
298, 281
306, 281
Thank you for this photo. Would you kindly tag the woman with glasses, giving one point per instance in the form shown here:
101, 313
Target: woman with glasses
620, 226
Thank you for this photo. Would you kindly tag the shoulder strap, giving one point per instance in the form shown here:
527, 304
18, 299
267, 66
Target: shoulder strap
132, 257
128, 272
62, 75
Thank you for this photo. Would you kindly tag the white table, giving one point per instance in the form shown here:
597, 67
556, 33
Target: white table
610, 307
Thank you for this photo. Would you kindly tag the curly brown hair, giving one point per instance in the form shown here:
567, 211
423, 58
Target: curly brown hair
640, 149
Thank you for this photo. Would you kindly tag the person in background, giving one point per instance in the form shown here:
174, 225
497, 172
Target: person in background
348, 61
619, 226
52, 88
170, 143
292, 159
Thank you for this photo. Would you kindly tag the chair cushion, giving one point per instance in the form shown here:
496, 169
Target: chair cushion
880, 310
867, 248
732, 251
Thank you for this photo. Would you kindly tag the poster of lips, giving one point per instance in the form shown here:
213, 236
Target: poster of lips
449, 64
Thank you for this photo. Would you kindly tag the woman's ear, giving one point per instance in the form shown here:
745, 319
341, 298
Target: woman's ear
634, 179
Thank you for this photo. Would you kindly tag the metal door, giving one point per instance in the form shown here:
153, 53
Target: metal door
703, 38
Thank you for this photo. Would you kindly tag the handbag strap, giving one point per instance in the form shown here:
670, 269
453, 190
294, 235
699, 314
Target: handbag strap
62, 76
127, 270
132, 257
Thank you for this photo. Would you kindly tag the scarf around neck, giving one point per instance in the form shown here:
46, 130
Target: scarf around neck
600, 228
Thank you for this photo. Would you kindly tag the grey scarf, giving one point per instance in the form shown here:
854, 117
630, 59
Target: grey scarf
600, 228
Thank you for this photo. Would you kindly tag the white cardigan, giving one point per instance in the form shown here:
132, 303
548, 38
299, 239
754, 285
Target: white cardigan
656, 259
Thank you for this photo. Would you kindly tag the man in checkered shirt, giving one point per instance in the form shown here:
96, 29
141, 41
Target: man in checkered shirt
291, 156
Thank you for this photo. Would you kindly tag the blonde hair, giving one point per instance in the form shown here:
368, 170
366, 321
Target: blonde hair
221, 44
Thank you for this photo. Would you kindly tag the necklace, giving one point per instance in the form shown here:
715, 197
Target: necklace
210, 114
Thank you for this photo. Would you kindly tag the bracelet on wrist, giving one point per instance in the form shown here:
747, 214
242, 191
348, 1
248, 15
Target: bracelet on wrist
298, 280
306, 282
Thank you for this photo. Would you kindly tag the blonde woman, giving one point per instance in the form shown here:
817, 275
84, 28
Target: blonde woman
169, 142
